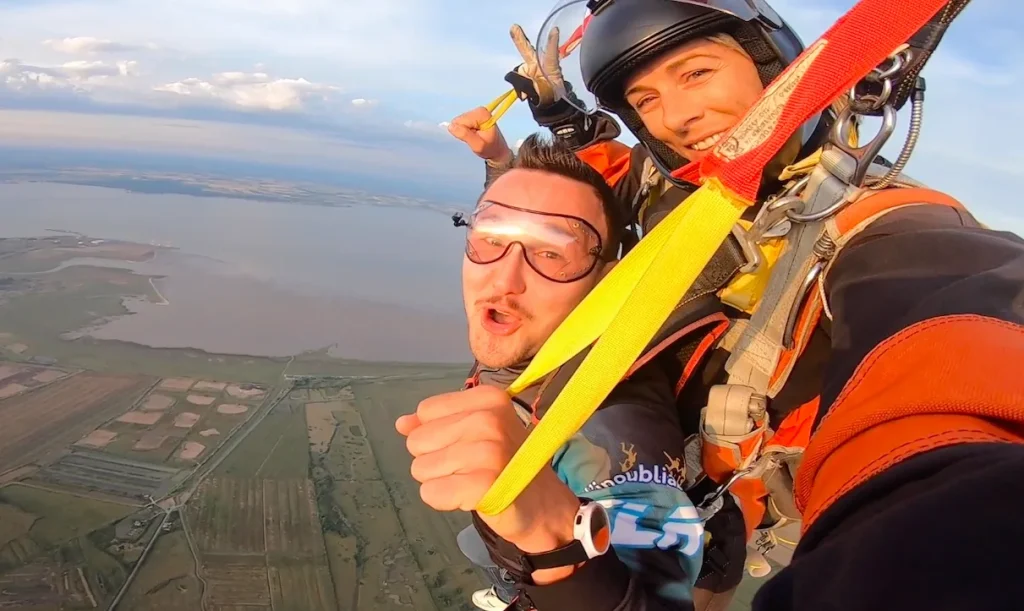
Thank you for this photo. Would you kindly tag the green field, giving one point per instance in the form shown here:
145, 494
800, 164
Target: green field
167, 581
56, 519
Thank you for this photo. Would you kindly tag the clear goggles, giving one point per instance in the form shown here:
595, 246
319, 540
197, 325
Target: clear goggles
561, 248
566, 24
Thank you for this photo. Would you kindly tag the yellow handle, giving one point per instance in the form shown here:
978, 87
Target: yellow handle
498, 107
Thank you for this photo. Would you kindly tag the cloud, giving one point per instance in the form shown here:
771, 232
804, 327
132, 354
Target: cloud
78, 75
89, 45
253, 90
363, 102
427, 126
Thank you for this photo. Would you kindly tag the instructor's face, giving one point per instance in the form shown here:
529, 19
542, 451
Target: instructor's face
511, 309
691, 97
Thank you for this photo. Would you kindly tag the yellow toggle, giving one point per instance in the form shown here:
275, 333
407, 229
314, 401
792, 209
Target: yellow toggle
623, 313
499, 106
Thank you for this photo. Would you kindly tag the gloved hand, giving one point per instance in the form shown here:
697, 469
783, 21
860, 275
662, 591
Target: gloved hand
547, 83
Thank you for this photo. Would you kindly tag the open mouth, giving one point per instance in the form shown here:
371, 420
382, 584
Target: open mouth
706, 143
500, 322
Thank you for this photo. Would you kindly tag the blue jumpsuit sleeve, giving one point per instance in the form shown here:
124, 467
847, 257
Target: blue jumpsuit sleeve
630, 457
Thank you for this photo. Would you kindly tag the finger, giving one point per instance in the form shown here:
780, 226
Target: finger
443, 432
480, 398
551, 50
460, 491
460, 458
523, 44
405, 424
462, 132
473, 118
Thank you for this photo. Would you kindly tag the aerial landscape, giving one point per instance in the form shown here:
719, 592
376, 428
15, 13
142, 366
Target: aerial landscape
177, 479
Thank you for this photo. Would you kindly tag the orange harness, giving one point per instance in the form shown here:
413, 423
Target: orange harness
766, 490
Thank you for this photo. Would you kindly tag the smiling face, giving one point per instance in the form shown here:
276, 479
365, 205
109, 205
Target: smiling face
690, 97
512, 309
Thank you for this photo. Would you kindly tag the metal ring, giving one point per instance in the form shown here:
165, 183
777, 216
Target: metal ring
899, 61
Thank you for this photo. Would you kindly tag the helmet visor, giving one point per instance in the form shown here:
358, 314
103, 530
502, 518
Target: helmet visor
565, 28
559, 247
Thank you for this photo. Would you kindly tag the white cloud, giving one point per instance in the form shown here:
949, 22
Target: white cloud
89, 45
426, 126
363, 102
79, 75
252, 90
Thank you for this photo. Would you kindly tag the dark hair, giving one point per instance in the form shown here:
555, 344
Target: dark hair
557, 158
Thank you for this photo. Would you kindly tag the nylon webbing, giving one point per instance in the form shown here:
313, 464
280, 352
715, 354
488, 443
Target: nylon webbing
625, 310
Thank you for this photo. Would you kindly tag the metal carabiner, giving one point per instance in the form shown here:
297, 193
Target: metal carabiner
863, 156
723, 488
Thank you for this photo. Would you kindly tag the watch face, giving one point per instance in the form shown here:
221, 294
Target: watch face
600, 529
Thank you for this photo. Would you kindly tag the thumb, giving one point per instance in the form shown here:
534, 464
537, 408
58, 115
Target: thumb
463, 132
407, 423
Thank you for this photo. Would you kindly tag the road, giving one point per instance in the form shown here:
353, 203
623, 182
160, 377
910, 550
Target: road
142, 558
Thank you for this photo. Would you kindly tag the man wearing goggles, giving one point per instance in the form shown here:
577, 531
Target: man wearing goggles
539, 240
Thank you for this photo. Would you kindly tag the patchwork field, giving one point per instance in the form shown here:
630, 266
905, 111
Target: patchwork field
430, 535
16, 378
179, 423
53, 518
42, 422
260, 544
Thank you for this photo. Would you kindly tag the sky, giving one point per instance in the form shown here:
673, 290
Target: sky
368, 85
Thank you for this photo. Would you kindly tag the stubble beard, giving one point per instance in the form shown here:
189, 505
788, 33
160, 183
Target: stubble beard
498, 352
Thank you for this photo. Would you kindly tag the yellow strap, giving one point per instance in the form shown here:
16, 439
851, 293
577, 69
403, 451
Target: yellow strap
624, 311
502, 103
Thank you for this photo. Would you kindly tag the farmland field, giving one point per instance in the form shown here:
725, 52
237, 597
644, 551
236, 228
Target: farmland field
429, 535
227, 516
60, 517
110, 474
46, 420
237, 581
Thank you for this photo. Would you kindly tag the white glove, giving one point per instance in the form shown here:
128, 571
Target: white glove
548, 83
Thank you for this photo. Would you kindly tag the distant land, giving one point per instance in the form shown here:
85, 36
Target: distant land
210, 185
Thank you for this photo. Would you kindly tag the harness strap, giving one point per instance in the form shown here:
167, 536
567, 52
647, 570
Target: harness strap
733, 437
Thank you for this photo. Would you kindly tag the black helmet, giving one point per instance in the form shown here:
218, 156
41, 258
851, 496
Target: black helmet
623, 35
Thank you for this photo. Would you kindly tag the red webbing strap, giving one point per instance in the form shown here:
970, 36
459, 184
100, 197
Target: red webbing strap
857, 43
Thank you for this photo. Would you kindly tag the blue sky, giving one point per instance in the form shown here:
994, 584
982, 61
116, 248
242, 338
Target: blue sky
366, 84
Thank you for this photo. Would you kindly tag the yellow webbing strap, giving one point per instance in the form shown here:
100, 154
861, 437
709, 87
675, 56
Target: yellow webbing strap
623, 313
498, 107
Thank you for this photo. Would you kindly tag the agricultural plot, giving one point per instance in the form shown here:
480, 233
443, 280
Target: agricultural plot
261, 544
101, 472
236, 582
56, 519
166, 581
429, 535
291, 522
42, 422
277, 449
167, 426
16, 378
35, 587
307, 587
227, 516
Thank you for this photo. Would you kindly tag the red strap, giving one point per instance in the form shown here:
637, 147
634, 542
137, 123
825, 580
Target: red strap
857, 43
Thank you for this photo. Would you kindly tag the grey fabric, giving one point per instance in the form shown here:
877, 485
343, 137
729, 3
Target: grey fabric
473, 548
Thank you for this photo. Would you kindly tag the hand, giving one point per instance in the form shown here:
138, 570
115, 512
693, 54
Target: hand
548, 83
461, 441
488, 143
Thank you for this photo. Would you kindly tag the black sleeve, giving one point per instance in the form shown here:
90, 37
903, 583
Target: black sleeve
912, 265
942, 531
